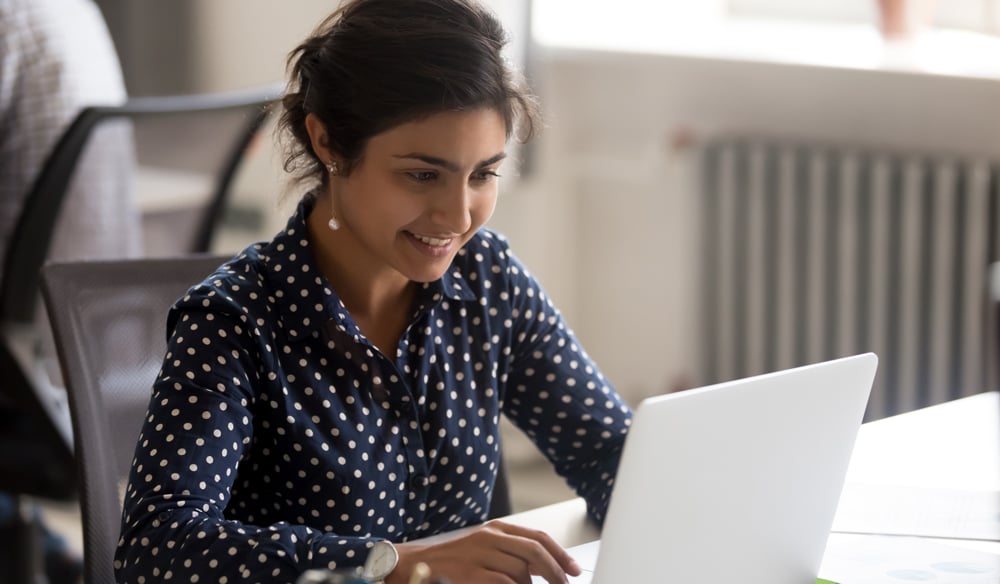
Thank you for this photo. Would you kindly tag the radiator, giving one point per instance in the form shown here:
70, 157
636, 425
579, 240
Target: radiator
816, 251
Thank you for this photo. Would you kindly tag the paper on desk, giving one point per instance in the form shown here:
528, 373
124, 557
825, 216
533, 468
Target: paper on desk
900, 510
876, 559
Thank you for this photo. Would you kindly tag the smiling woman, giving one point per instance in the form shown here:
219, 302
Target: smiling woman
420, 193
334, 395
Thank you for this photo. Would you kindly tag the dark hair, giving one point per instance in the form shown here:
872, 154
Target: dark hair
375, 64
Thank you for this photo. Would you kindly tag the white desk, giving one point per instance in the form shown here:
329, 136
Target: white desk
933, 473
945, 457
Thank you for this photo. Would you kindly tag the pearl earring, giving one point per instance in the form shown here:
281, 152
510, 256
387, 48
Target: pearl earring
333, 169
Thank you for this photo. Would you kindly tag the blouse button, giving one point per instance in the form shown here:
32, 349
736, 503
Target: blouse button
418, 481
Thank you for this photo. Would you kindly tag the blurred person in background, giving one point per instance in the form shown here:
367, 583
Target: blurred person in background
56, 57
332, 396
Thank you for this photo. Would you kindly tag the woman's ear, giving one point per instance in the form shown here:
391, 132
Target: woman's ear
319, 139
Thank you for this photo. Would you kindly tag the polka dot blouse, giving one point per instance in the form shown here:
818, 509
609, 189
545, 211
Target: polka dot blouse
279, 439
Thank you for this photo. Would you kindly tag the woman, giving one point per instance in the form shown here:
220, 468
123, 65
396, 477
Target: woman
338, 389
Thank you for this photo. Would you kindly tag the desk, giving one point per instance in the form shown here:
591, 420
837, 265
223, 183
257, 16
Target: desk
933, 456
933, 472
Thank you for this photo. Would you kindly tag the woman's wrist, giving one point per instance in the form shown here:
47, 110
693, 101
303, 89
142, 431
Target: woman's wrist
409, 556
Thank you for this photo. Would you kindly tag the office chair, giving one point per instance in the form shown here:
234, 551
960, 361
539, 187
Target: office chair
177, 133
501, 504
108, 319
198, 137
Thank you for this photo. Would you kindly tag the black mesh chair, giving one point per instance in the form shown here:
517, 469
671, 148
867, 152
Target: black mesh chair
109, 321
501, 503
191, 142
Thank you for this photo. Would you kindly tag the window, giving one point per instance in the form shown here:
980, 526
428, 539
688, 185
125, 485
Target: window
981, 16
976, 15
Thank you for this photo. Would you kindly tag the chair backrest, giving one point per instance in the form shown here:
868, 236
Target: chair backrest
108, 320
501, 504
180, 141
81, 206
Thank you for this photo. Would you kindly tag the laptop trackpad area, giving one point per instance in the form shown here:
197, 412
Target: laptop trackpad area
585, 554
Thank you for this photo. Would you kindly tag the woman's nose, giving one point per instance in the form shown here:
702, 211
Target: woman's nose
452, 209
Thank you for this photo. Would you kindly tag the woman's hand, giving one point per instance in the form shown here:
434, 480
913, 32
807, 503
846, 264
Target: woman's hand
495, 552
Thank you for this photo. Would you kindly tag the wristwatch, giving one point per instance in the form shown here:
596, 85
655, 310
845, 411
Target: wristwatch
381, 561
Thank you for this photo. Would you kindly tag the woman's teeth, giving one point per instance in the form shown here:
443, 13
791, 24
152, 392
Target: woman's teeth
432, 240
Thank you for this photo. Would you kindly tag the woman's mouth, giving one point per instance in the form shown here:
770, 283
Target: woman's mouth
435, 247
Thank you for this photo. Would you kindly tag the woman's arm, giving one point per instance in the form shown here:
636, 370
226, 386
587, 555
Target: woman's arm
557, 395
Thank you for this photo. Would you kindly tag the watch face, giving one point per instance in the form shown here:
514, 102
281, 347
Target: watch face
381, 560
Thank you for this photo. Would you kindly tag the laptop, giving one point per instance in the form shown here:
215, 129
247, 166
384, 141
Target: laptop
733, 482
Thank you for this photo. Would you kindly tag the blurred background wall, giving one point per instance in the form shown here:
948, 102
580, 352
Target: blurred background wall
610, 209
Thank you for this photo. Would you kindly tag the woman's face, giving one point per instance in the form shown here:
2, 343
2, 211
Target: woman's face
421, 190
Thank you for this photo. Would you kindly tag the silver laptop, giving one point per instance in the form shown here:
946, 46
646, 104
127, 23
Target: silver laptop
734, 482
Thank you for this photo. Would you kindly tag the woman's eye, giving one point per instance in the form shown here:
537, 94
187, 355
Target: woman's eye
485, 175
423, 175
